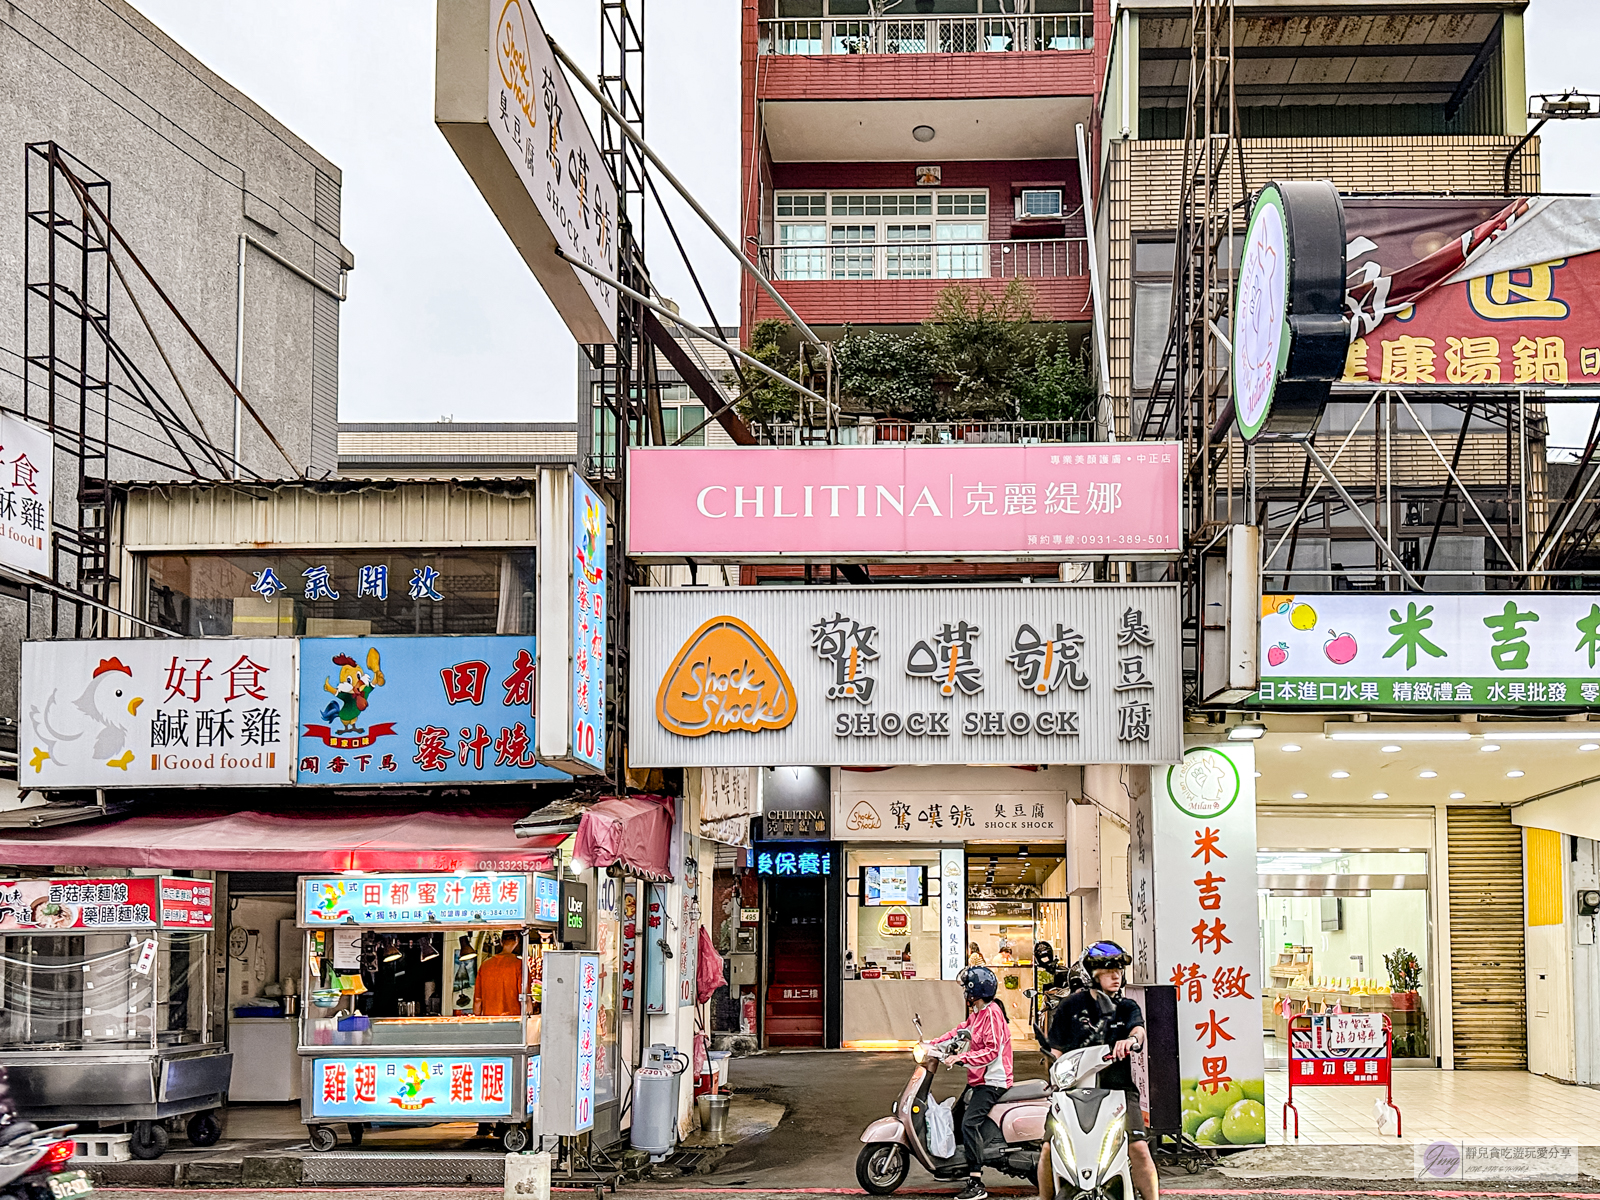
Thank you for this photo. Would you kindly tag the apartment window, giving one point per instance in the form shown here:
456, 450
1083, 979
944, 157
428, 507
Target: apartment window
924, 234
1152, 309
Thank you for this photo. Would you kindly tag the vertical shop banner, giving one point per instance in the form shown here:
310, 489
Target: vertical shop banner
502, 101
441, 1087
410, 710
588, 625
1208, 938
952, 913
154, 712
27, 493
630, 944
571, 624
588, 1013
689, 933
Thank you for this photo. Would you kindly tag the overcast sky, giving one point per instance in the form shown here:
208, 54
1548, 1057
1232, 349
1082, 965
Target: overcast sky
443, 317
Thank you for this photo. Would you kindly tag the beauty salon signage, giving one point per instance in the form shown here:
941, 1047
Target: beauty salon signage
750, 504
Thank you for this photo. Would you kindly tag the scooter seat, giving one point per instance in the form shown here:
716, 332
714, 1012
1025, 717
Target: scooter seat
1028, 1089
17, 1131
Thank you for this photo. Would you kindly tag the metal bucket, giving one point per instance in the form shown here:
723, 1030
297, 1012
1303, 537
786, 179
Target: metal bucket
714, 1113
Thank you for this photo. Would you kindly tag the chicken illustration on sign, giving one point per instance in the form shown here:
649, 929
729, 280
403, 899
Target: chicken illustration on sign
353, 689
101, 714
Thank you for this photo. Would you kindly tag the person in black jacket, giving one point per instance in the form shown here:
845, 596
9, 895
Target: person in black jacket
1100, 1015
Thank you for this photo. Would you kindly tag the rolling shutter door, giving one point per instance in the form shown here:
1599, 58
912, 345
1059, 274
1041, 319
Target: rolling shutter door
1488, 998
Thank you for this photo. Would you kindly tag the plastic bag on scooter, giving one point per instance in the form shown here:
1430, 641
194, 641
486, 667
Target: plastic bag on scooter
942, 1129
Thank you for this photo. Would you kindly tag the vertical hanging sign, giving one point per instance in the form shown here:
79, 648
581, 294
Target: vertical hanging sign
588, 626
952, 912
588, 1011
571, 618
27, 487
1203, 821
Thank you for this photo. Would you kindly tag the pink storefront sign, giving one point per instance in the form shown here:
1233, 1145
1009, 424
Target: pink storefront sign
836, 503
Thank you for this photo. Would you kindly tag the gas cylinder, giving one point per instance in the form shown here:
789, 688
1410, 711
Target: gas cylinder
655, 1101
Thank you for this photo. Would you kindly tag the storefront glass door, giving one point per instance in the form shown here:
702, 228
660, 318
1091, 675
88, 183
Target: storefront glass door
1015, 899
1346, 932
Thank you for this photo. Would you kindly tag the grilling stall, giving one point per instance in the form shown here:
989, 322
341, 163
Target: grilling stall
103, 1005
427, 996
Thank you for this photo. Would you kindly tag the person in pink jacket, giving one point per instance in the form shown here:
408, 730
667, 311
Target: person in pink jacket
988, 1063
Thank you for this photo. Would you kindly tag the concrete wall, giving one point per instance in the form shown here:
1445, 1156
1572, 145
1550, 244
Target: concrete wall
192, 164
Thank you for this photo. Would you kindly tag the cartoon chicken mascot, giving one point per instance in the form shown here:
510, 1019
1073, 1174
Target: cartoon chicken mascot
354, 686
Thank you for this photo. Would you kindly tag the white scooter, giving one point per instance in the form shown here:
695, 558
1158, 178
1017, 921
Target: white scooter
1087, 1131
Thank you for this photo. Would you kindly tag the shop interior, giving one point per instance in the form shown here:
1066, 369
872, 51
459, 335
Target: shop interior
1346, 931
894, 927
1016, 897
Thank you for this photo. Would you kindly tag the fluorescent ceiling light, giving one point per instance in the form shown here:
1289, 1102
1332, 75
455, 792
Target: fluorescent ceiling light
1390, 749
1590, 746
1458, 795
1488, 748
1247, 731
1289, 748
1573, 733
1299, 795
1514, 774
1357, 734
1380, 795
1427, 774
1341, 774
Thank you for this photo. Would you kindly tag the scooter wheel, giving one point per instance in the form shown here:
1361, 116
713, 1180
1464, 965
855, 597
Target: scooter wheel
148, 1139
882, 1167
323, 1138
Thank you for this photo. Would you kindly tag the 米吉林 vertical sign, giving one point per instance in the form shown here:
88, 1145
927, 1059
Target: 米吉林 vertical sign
27, 481
1202, 825
502, 101
588, 625
149, 712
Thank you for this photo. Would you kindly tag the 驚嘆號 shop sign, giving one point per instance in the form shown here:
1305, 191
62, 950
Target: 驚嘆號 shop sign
888, 676
1468, 651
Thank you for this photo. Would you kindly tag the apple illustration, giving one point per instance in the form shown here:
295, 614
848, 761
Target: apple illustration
1340, 647
1277, 655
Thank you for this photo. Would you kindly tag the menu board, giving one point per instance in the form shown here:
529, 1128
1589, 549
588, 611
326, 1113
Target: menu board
893, 885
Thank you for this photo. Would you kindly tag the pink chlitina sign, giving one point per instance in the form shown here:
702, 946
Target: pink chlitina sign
750, 504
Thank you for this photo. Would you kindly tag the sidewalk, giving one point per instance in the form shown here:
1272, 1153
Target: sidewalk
1485, 1106
265, 1146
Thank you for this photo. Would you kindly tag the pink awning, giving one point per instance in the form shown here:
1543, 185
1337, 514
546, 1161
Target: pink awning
343, 839
635, 831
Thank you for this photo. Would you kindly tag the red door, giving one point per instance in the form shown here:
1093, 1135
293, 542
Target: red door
794, 980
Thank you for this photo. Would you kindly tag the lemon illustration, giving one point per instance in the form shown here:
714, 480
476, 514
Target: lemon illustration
1303, 616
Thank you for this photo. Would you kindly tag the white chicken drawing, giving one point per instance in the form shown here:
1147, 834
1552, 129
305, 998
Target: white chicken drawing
92, 726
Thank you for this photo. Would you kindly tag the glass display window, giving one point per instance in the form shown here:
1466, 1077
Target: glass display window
1016, 898
893, 922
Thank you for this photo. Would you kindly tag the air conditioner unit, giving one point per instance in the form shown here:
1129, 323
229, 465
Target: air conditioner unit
1037, 203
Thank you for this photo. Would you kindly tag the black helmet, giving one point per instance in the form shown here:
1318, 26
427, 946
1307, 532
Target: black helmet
1103, 956
1044, 954
979, 983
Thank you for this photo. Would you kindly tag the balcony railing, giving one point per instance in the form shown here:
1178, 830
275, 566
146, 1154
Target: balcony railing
928, 35
1041, 258
931, 433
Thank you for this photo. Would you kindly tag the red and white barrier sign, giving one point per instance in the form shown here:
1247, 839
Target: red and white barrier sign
1340, 1050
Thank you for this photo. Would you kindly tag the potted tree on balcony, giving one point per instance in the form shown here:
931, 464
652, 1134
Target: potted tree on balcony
1405, 972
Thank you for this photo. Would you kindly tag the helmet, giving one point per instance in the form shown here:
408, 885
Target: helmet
1044, 954
978, 983
1103, 956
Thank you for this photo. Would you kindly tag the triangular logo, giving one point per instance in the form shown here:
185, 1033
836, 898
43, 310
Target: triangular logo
863, 817
725, 680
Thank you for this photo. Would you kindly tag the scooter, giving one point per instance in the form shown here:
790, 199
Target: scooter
33, 1164
1087, 1131
1011, 1145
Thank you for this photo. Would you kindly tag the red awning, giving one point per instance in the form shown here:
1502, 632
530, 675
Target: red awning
343, 839
635, 831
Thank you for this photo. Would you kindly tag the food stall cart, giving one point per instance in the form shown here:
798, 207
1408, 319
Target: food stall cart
103, 1005
421, 1008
